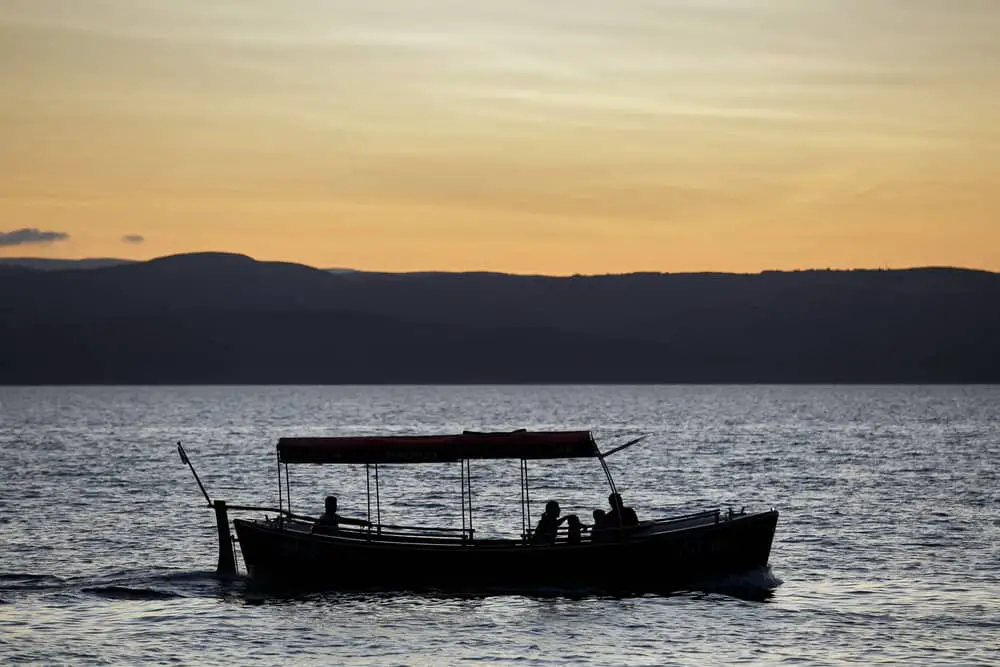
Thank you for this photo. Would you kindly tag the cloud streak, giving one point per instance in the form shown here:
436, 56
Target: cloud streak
133, 238
30, 236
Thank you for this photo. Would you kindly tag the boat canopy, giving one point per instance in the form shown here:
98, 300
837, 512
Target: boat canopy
519, 444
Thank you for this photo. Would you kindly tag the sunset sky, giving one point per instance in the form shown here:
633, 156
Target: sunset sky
557, 137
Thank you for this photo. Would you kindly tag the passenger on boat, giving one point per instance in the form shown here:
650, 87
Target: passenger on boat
548, 525
600, 528
620, 516
575, 529
330, 520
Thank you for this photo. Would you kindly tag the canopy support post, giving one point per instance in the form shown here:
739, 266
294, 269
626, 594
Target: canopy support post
368, 490
527, 495
525, 502
288, 489
281, 504
378, 503
607, 473
461, 486
468, 480
611, 483
521, 479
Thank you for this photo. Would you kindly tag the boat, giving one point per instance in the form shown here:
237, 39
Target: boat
659, 554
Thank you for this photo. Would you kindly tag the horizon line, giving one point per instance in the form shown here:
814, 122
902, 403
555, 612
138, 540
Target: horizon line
338, 269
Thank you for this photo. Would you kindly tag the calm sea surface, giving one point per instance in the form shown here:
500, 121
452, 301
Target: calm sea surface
887, 549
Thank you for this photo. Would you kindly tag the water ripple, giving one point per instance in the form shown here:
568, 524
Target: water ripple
886, 552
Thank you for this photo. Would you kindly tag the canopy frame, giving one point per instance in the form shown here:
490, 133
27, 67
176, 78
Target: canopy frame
442, 449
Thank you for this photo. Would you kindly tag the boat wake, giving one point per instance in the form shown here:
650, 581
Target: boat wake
754, 586
20, 581
128, 593
125, 585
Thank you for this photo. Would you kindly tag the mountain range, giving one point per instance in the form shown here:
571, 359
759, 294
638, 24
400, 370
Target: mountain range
220, 318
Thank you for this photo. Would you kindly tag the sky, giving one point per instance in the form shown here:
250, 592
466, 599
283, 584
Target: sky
557, 137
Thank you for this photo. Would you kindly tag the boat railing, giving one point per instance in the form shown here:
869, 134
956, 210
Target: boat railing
384, 531
387, 530
279, 511
409, 532
374, 528
400, 533
703, 514
613, 533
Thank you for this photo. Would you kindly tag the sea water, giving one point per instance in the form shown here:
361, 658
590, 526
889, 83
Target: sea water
887, 548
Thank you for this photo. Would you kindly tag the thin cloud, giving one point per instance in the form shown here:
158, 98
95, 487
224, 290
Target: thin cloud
30, 236
133, 238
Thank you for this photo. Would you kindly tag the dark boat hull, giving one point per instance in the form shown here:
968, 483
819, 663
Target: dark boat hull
660, 556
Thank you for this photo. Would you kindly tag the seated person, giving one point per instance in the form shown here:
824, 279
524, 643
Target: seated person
329, 521
620, 516
548, 525
599, 529
575, 529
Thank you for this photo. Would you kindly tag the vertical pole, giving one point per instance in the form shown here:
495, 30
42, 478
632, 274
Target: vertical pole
611, 483
288, 489
468, 479
227, 561
461, 485
527, 495
281, 504
368, 490
378, 503
607, 471
524, 519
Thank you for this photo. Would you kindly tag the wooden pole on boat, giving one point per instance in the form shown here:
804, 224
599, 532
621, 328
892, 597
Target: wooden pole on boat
378, 504
621, 447
185, 460
368, 489
607, 471
468, 481
527, 499
602, 456
281, 502
227, 560
461, 485
524, 518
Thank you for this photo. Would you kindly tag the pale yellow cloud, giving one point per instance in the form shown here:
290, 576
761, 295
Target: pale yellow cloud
552, 137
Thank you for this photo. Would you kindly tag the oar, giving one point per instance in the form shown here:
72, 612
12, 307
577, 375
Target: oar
621, 447
184, 459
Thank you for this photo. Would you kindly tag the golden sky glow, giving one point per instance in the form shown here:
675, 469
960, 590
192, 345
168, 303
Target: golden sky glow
567, 136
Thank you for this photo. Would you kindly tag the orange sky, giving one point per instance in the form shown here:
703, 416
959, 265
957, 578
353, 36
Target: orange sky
568, 136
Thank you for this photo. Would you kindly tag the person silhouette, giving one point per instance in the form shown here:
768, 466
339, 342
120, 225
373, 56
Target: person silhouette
575, 529
548, 524
330, 521
600, 527
620, 516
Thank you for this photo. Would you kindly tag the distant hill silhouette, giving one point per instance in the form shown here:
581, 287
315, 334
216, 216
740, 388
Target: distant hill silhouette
225, 318
45, 264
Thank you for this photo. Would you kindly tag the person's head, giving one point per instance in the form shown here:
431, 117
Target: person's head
599, 515
552, 508
615, 500
573, 521
331, 504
